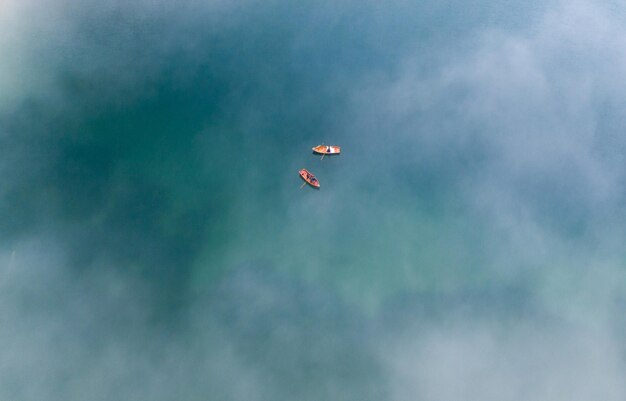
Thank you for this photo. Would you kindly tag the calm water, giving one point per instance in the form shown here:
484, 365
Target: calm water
156, 243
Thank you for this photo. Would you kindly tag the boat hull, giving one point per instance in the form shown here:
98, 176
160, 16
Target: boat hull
327, 150
309, 178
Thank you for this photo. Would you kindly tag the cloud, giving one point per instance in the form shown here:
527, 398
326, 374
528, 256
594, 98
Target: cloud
258, 335
519, 121
467, 244
529, 361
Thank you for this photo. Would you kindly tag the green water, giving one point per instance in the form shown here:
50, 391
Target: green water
154, 229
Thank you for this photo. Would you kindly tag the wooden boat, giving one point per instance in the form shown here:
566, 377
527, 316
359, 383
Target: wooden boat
309, 178
327, 150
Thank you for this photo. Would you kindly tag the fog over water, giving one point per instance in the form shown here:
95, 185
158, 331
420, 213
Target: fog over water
468, 244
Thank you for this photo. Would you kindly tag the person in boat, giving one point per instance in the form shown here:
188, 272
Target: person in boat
328, 149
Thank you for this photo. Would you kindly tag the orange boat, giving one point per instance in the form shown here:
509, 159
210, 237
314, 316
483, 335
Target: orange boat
327, 150
309, 178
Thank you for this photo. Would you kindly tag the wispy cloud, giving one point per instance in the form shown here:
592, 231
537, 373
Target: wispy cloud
468, 244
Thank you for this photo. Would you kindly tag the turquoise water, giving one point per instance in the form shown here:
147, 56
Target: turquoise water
154, 229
